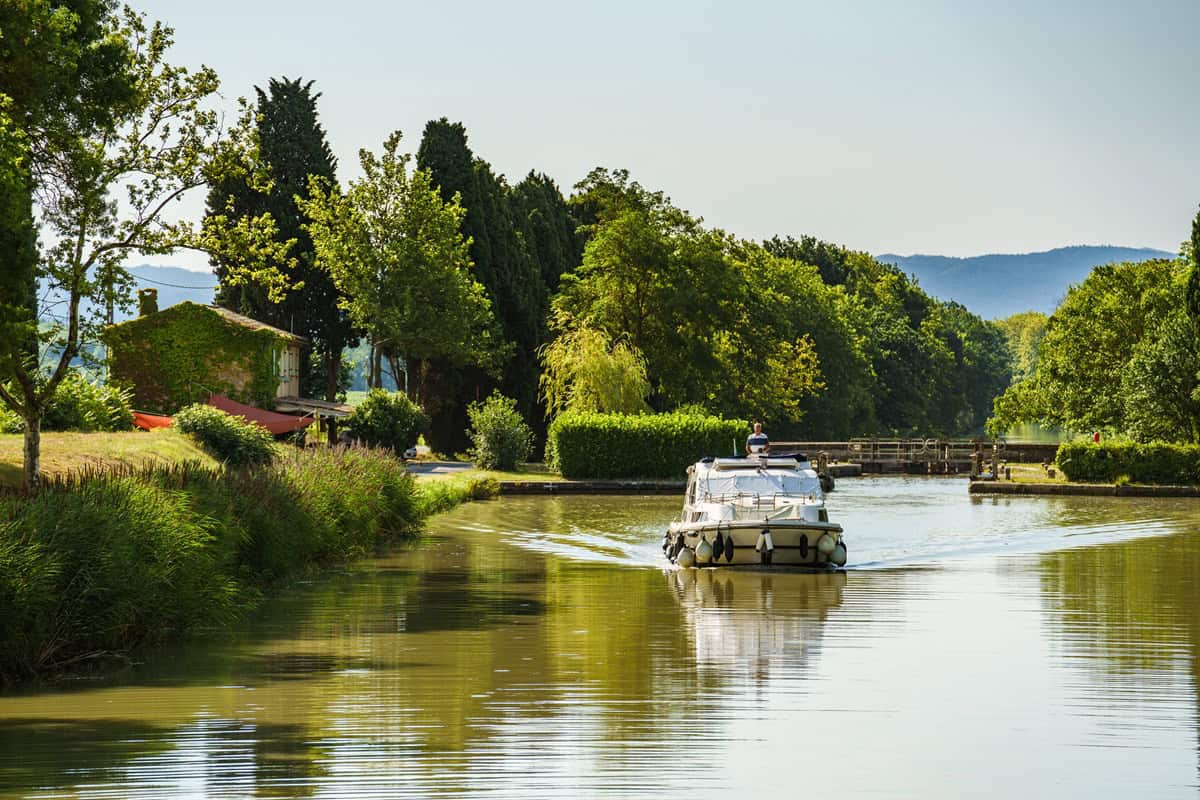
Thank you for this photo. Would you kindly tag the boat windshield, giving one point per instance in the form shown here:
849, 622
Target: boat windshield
759, 483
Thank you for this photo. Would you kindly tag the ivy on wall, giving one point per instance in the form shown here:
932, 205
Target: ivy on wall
180, 355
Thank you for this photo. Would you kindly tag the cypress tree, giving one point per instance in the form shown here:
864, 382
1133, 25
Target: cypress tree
293, 146
522, 239
1193, 285
548, 226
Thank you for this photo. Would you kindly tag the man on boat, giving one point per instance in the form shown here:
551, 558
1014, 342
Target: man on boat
757, 442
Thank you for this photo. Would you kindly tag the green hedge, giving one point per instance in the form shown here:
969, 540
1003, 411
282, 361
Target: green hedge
1107, 462
589, 446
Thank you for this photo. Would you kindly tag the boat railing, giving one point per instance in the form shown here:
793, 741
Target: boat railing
756, 500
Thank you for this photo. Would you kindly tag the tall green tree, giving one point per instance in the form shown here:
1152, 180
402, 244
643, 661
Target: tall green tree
784, 301
522, 240
546, 222
831, 260
154, 144
395, 251
1088, 346
1192, 254
60, 75
1160, 389
655, 278
292, 147
1024, 332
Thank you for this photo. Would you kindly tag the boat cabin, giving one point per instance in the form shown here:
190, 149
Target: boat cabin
760, 480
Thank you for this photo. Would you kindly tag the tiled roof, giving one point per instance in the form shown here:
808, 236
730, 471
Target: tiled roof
247, 322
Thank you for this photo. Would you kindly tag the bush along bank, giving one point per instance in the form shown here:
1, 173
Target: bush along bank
586, 446
94, 567
1110, 462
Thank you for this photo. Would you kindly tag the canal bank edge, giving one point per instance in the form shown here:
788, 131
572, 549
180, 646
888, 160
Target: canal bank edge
1081, 489
629, 486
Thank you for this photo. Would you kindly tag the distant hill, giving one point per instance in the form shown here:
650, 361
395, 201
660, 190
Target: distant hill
995, 286
174, 284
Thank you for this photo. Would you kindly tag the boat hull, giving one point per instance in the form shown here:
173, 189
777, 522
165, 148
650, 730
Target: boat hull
791, 543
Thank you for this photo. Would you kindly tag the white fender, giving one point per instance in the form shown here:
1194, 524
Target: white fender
825, 545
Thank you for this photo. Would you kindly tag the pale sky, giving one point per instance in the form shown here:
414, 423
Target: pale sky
955, 128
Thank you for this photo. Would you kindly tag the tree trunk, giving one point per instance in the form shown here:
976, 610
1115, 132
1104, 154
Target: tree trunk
377, 368
416, 379
33, 453
333, 363
394, 366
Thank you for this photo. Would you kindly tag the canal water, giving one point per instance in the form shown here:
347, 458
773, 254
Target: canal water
536, 646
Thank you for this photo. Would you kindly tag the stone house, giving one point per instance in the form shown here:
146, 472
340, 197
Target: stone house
187, 352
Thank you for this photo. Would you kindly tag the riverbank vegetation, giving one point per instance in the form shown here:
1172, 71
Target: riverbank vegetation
1130, 462
95, 565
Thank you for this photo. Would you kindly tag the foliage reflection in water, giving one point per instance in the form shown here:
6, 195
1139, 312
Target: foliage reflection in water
537, 645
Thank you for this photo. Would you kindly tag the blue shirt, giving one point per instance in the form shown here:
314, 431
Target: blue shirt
757, 440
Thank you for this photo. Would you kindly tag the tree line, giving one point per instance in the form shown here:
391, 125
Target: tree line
611, 298
819, 340
1120, 355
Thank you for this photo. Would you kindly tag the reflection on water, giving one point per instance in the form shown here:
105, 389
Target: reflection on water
741, 620
1038, 646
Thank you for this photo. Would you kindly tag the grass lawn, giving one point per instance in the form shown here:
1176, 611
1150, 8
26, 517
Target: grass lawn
65, 452
1033, 473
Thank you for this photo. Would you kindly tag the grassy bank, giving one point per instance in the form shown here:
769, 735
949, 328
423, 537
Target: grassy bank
532, 473
63, 453
92, 568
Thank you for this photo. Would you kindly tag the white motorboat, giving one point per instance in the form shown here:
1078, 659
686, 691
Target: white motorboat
757, 510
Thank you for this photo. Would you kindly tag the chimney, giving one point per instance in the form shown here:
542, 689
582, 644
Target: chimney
147, 302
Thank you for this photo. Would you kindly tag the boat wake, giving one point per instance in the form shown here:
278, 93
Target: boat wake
889, 522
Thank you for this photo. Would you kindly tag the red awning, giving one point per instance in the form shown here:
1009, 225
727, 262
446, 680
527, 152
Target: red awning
275, 423
149, 422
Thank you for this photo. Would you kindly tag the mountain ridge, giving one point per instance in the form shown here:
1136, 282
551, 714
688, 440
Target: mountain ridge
996, 285
992, 285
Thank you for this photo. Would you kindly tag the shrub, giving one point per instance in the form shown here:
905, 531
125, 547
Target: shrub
499, 433
582, 446
231, 439
387, 419
80, 405
1108, 462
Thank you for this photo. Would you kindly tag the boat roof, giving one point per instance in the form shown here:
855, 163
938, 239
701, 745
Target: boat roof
786, 475
785, 461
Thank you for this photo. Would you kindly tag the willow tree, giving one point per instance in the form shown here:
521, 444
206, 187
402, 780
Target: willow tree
79, 149
584, 370
395, 252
